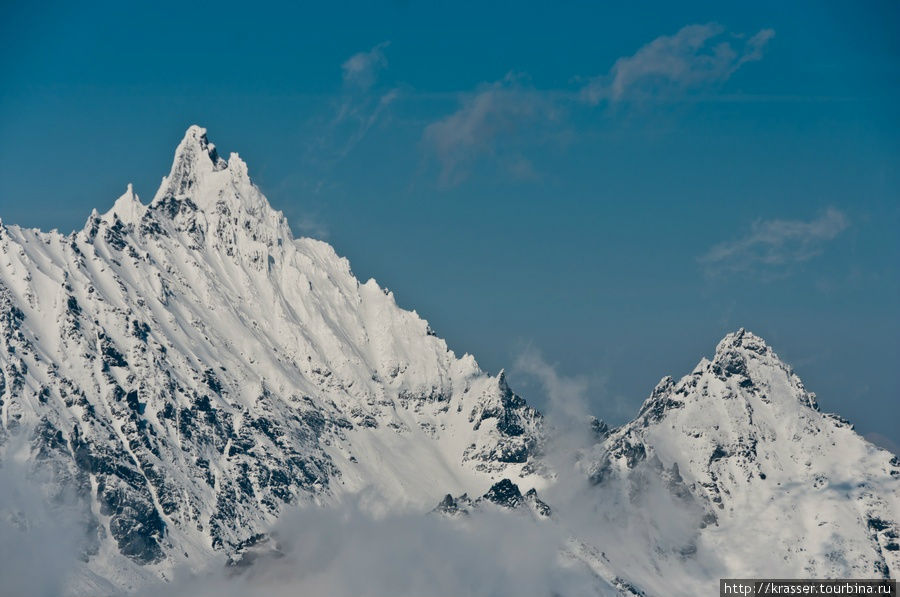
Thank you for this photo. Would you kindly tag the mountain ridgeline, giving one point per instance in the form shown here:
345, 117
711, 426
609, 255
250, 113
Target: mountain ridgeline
187, 369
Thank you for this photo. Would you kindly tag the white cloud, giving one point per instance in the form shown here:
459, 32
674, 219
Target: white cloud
357, 115
348, 551
489, 118
44, 526
310, 225
494, 111
360, 106
361, 69
566, 396
696, 56
775, 245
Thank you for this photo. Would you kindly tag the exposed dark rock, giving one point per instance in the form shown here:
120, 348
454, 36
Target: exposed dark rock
504, 493
599, 429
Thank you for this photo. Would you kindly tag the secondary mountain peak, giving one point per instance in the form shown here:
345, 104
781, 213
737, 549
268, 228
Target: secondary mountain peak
741, 433
128, 208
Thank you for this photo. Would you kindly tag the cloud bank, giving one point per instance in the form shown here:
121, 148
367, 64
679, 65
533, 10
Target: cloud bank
42, 526
347, 551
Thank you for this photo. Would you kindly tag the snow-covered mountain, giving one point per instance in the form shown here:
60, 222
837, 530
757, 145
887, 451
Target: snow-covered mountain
765, 484
188, 369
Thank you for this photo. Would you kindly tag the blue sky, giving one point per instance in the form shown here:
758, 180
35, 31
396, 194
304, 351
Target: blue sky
614, 187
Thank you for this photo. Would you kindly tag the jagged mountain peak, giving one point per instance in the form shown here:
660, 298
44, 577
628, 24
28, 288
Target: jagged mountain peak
205, 201
737, 439
742, 339
504, 494
742, 398
128, 208
745, 397
195, 160
201, 180
745, 363
745, 370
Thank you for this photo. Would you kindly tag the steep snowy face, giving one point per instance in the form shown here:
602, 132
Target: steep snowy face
776, 486
191, 368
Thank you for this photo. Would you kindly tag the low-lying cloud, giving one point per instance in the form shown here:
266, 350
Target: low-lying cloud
348, 551
42, 531
567, 397
359, 547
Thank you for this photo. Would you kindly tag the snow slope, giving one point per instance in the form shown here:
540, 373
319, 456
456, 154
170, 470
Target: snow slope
189, 368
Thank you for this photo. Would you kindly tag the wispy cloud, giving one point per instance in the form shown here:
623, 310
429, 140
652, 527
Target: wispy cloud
566, 410
488, 119
567, 397
695, 57
309, 224
493, 112
357, 115
776, 245
361, 69
361, 105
